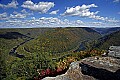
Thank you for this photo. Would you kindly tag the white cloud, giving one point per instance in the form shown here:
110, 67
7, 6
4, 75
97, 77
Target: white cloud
54, 12
41, 22
23, 11
96, 24
55, 22
17, 15
79, 22
41, 7
26, 13
50, 21
3, 16
113, 20
23, 14
82, 11
116, 1
12, 4
99, 18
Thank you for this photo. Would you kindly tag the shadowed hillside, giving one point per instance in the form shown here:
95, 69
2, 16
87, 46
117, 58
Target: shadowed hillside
105, 31
12, 35
108, 40
31, 32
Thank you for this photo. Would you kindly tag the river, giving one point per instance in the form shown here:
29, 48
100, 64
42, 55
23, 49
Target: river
13, 51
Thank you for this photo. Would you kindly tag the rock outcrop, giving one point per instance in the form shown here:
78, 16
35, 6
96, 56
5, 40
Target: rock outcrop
114, 51
92, 68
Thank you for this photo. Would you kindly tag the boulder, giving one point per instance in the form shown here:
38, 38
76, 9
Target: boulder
114, 51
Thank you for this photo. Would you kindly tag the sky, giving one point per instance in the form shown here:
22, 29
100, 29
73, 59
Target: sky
59, 13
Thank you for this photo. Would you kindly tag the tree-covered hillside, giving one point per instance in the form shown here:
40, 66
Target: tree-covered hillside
109, 40
58, 40
49, 49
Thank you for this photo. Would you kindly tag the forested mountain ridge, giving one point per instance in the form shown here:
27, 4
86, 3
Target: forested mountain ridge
107, 30
109, 40
60, 40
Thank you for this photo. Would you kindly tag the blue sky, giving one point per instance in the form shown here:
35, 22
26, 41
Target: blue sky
59, 13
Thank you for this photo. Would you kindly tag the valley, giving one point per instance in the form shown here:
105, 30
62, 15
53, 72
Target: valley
35, 53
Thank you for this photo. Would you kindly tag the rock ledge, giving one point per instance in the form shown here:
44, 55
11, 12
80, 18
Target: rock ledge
92, 68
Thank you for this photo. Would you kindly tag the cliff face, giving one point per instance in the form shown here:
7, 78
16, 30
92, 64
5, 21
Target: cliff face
92, 68
102, 68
